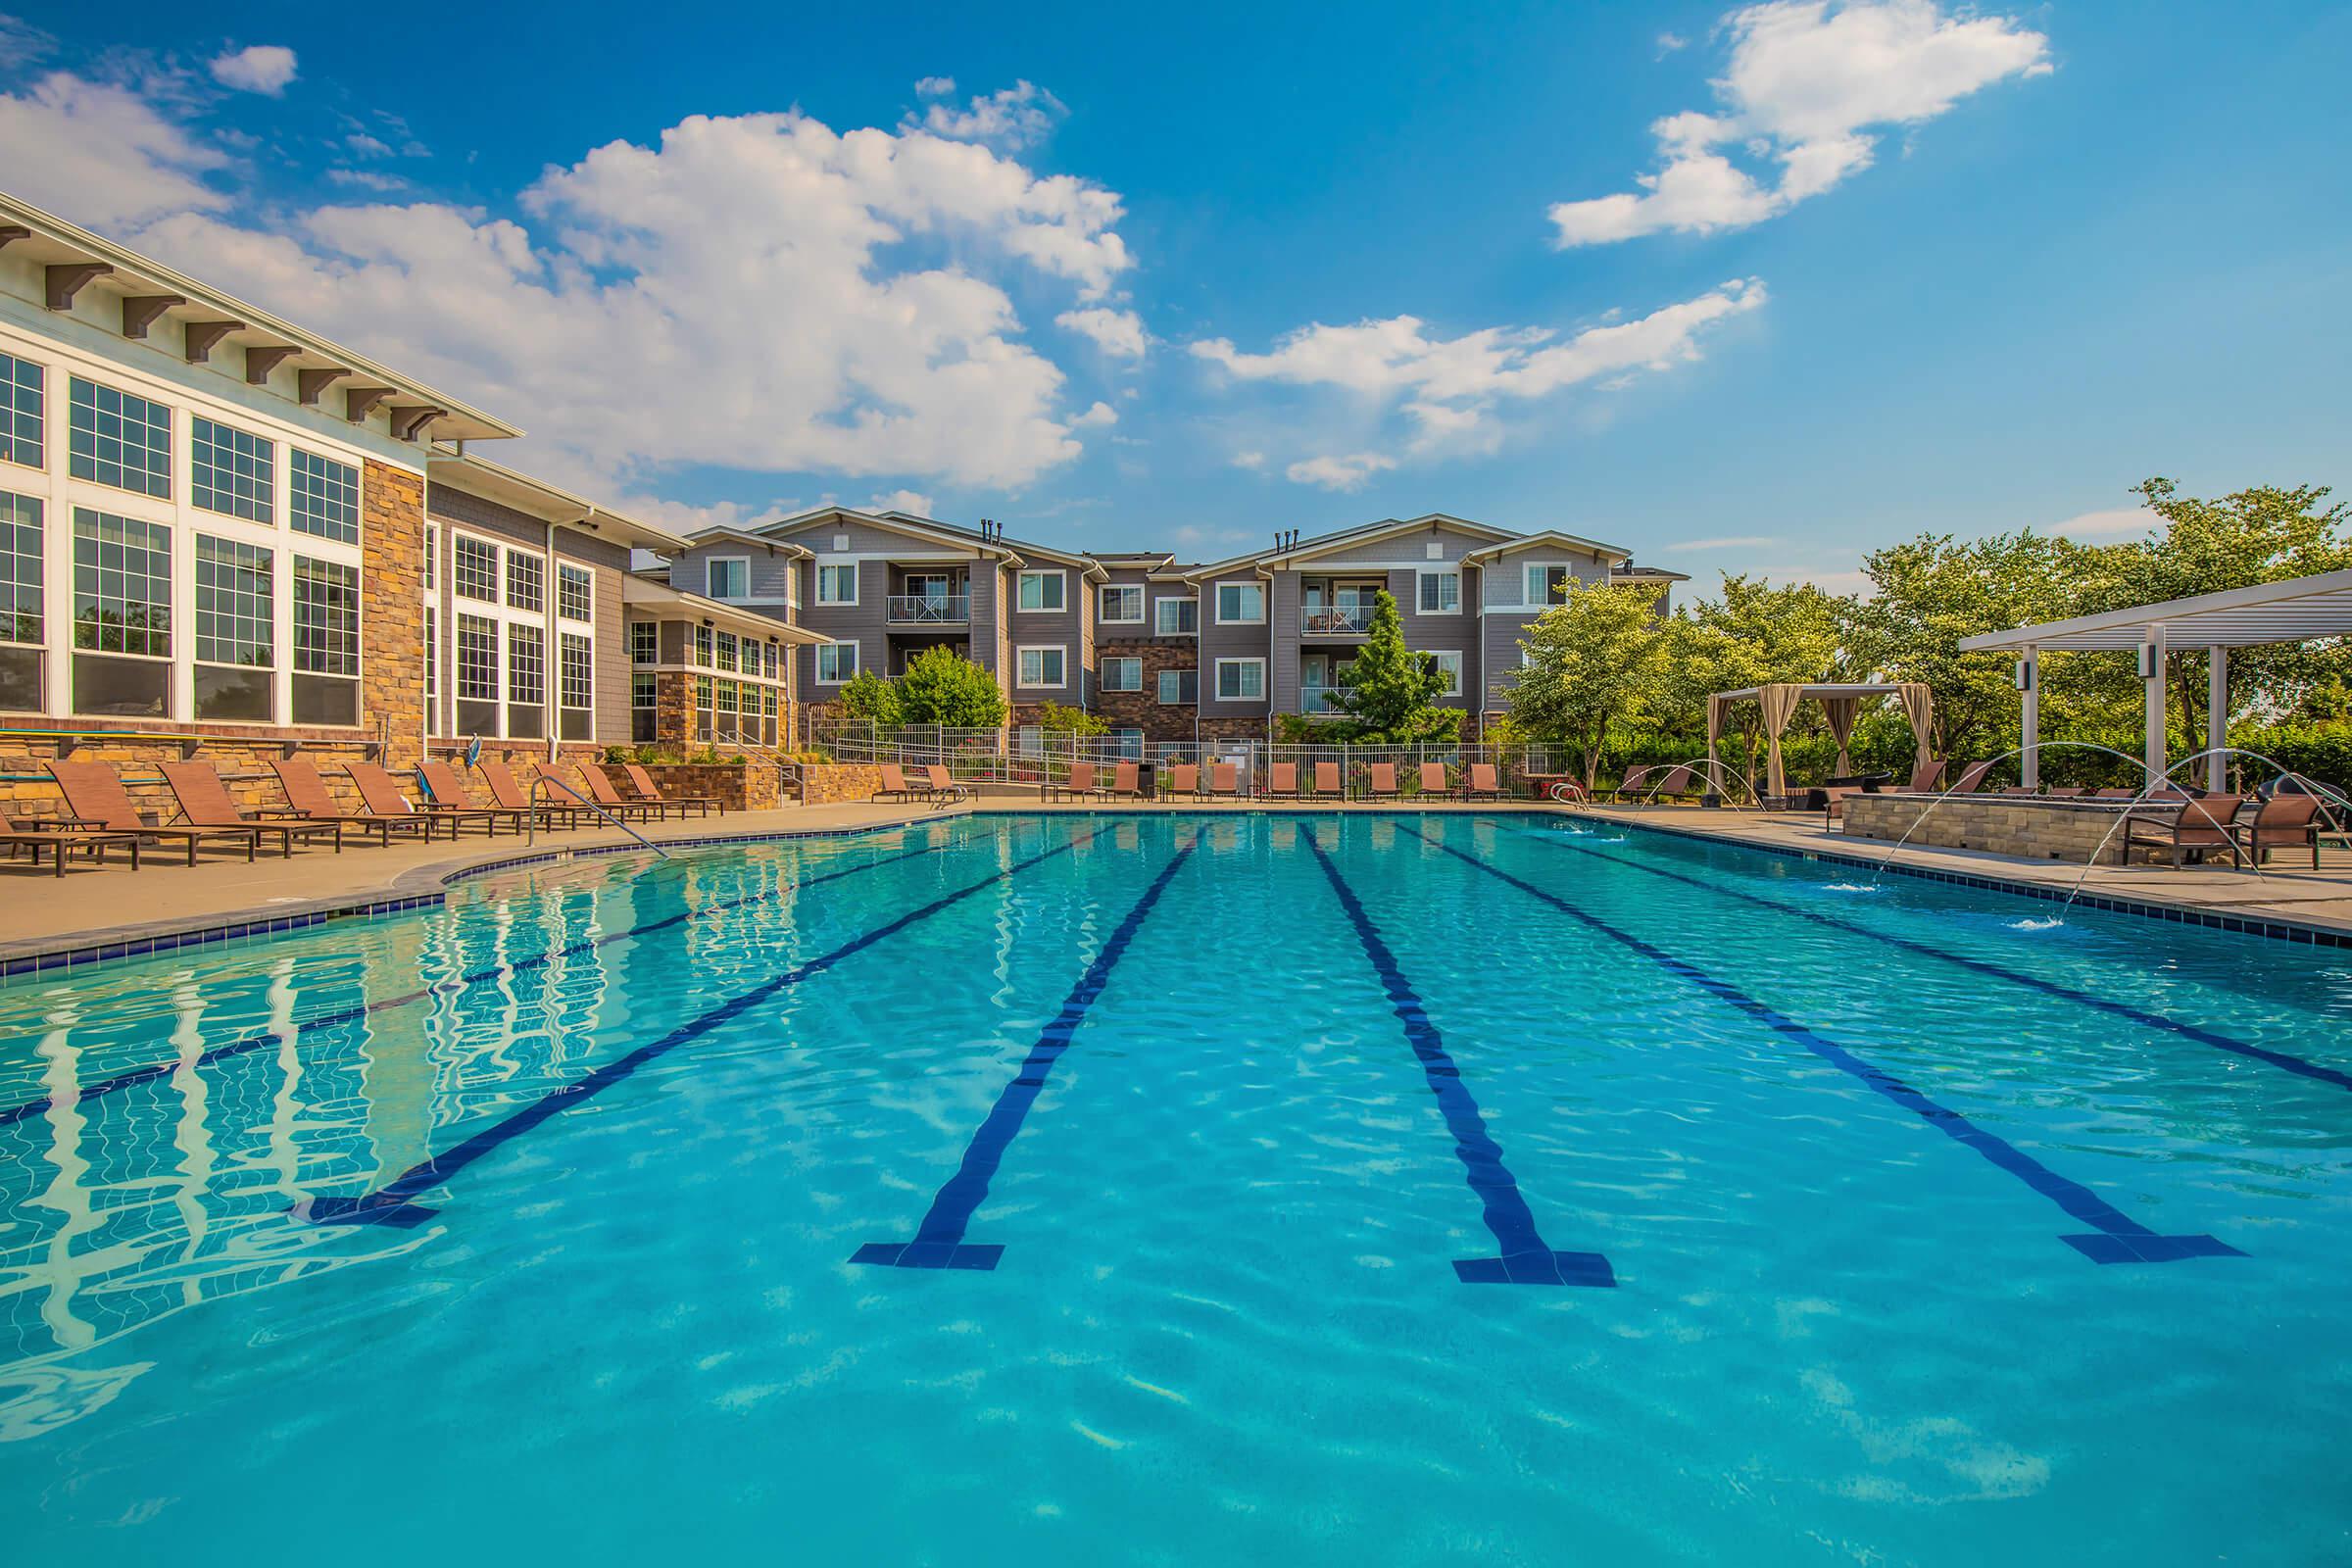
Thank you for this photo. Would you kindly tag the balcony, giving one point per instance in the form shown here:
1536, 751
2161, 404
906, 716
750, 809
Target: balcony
1334, 622
930, 609
1316, 702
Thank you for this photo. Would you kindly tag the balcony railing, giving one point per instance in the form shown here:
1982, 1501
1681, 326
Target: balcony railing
1316, 701
930, 609
1327, 621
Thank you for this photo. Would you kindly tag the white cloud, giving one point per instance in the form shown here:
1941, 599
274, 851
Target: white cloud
1020, 116
263, 67
1669, 42
912, 501
2112, 520
366, 146
1805, 81
1252, 460
1119, 333
366, 180
758, 291
935, 86
21, 43
1450, 387
101, 154
1099, 414
1333, 472
1734, 542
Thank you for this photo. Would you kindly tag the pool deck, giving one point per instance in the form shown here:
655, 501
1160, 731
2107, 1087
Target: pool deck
2287, 892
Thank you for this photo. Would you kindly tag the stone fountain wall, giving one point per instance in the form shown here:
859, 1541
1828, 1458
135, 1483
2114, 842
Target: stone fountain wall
2067, 831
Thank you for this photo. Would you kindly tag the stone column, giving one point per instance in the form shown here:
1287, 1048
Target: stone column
392, 610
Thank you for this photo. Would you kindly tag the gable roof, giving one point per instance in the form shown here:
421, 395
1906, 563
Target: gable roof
930, 530
494, 481
722, 531
1515, 543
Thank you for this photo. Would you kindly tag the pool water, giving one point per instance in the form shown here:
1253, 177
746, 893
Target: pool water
1186, 1190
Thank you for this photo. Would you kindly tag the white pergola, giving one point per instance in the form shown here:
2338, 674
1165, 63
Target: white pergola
2298, 610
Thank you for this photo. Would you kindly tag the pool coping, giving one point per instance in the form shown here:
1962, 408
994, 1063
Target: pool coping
420, 887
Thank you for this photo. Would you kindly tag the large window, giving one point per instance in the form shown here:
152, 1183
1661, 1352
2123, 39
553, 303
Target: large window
1241, 680
1122, 675
21, 604
1176, 617
645, 642
326, 644
432, 554
1120, 604
112, 437
526, 582
24, 412
432, 673
724, 655
576, 685
473, 569
236, 620
576, 593
1041, 591
323, 498
477, 675
1449, 666
1441, 593
1179, 687
1240, 604
645, 703
122, 615
703, 653
1547, 585
231, 473
526, 683
729, 576
837, 583
1043, 666
836, 662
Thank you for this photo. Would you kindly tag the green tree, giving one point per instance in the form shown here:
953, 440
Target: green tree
942, 687
1056, 719
1595, 663
1754, 633
869, 695
1388, 690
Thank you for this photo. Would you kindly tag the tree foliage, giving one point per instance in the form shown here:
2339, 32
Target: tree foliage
869, 695
1596, 663
942, 687
1056, 719
1389, 692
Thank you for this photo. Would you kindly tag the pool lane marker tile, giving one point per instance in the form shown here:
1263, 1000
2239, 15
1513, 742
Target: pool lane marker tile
390, 1203
2117, 1238
1526, 1259
2299, 1065
27, 1110
938, 1240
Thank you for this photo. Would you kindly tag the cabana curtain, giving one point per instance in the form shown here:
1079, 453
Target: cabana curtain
1841, 712
1920, 709
1779, 703
1841, 701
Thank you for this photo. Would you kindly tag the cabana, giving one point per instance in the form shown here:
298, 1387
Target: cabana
1841, 700
2297, 609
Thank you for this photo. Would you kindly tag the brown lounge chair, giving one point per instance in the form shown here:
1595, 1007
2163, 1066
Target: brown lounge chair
1923, 779
1127, 781
1224, 778
448, 791
2066, 792
1481, 780
1434, 780
206, 803
616, 804
94, 791
647, 789
943, 786
1283, 780
60, 838
2198, 827
1380, 781
1326, 781
1079, 785
1971, 778
381, 793
894, 786
2019, 789
309, 797
2284, 822
560, 809
1184, 778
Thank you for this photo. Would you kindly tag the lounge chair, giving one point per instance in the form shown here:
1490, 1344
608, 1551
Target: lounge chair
95, 794
560, 809
2020, 789
1078, 786
1380, 781
1184, 778
1971, 778
1481, 780
58, 838
1284, 781
309, 797
2198, 827
1127, 781
2283, 822
1923, 779
1327, 780
2115, 795
447, 792
383, 797
206, 803
944, 785
648, 790
1224, 778
1434, 780
616, 804
2066, 792
894, 786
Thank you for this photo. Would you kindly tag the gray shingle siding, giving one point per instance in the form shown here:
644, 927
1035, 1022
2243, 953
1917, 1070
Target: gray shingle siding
1237, 641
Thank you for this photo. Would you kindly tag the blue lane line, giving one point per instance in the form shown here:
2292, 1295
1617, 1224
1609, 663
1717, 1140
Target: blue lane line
329, 1020
1527, 1259
2120, 1009
390, 1203
938, 1240
2118, 1237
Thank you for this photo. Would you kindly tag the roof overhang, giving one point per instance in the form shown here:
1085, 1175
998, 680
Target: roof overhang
650, 594
1553, 539
2296, 610
494, 481
151, 290
721, 535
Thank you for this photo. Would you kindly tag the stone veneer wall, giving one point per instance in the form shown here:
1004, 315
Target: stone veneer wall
2029, 829
753, 787
243, 765
828, 783
392, 609
1144, 709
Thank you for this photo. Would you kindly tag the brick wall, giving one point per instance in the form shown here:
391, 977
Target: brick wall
828, 784
392, 608
750, 788
244, 766
1144, 709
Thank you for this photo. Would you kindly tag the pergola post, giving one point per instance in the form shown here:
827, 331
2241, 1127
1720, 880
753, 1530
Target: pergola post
2029, 681
2151, 659
2216, 716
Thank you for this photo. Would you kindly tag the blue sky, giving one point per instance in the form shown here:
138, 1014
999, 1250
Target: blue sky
1133, 281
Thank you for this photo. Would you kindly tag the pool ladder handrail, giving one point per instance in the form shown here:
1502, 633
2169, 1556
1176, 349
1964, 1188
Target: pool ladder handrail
531, 835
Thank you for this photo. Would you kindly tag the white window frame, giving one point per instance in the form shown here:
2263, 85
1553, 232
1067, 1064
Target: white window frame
1258, 619
1059, 651
1102, 673
837, 678
1442, 655
711, 592
824, 566
574, 568
1224, 663
1161, 688
1141, 604
541, 621
1061, 579
1535, 594
1420, 591
1159, 630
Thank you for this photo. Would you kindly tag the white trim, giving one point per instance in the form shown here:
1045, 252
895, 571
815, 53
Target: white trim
1103, 680
1020, 670
1060, 574
1159, 688
1422, 576
1461, 673
1259, 620
824, 566
1143, 600
709, 592
1220, 680
816, 664
1193, 600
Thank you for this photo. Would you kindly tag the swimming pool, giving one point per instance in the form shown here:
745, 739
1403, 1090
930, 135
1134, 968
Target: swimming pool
1184, 1189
